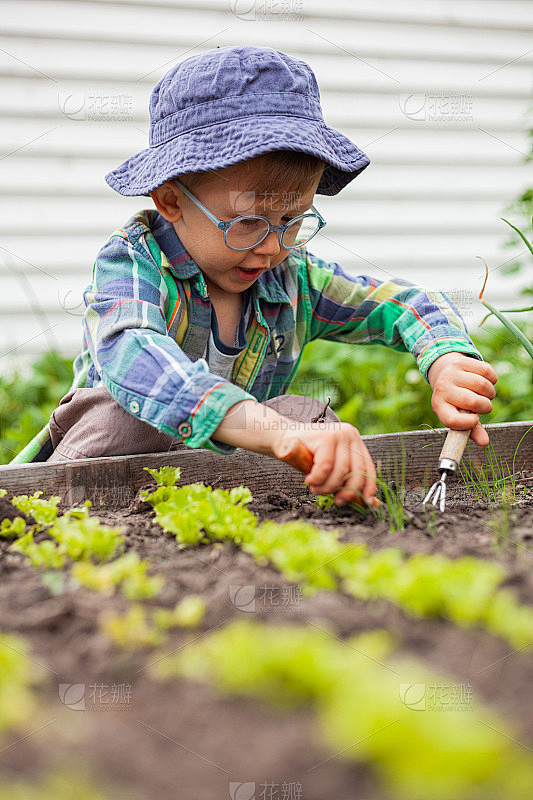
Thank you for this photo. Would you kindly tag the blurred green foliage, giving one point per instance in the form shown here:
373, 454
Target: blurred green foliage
27, 400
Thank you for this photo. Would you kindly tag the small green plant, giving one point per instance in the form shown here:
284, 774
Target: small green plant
196, 513
165, 476
300, 667
137, 629
463, 590
17, 673
43, 511
188, 613
84, 537
493, 482
128, 572
43, 555
431, 522
500, 524
12, 528
132, 630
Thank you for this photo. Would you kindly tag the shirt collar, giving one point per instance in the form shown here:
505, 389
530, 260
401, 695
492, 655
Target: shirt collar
268, 286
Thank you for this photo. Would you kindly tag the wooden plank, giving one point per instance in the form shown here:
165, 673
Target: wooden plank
113, 482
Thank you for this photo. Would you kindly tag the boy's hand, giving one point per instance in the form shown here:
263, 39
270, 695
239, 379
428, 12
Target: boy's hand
341, 461
460, 382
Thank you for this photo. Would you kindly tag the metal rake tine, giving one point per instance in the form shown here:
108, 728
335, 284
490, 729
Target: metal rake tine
431, 493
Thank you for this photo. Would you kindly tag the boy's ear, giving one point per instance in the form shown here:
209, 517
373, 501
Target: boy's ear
167, 201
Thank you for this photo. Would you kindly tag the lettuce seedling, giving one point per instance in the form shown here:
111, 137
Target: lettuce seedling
165, 476
44, 512
132, 630
17, 673
128, 572
11, 528
198, 514
87, 538
357, 691
45, 554
188, 613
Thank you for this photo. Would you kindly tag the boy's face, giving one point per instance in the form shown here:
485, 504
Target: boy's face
226, 194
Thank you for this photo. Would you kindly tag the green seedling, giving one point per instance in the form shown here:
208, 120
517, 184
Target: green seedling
463, 590
17, 673
127, 572
136, 629
165, 476
359, 703
43, 555
12, 528
44, 512
494, 481
86, 538
198, 514
500, 524
431, 522
188, 613
132, 630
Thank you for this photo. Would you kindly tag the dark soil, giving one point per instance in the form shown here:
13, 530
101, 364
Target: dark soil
182, 739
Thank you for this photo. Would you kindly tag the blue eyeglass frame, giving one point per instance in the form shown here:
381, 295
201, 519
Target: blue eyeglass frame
224, 226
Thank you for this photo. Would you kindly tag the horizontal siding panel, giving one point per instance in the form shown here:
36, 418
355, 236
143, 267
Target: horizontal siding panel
54, 65
430, 202
110, 23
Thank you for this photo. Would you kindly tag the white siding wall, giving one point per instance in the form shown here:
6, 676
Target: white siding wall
428, 204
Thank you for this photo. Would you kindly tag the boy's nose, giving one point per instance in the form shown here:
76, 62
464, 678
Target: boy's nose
270, 246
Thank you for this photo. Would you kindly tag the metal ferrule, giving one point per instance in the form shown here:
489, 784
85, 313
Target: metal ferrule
448, 465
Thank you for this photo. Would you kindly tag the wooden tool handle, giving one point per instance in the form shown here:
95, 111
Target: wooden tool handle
454, 445
298, 456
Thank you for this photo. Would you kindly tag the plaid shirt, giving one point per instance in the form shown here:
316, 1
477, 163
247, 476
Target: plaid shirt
148, 317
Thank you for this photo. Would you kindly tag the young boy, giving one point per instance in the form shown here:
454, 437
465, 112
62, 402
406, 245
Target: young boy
202, 308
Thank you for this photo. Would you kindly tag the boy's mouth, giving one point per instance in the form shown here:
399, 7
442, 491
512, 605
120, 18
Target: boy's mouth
248, 274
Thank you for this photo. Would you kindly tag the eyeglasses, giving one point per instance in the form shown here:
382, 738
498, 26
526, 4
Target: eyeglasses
246, 232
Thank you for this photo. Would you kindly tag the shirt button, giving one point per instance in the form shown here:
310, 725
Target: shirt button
134, 406
185, 429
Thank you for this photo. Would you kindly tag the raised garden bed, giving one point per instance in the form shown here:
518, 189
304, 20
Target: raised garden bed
183, 738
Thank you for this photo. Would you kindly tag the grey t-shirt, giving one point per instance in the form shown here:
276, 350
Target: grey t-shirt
221, 357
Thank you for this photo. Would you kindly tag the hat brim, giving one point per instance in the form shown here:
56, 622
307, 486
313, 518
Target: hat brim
228, 143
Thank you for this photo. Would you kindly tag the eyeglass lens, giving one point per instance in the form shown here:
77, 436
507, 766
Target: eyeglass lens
249, 231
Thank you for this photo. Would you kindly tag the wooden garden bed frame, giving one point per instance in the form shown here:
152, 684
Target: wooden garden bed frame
113, 482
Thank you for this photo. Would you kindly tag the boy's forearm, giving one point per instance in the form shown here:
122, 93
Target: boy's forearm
252, 426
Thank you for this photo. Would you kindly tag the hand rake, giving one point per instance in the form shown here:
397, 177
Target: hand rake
449, 460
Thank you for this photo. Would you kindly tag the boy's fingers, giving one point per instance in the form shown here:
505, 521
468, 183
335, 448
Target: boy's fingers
334, 477
365, 468
479, 435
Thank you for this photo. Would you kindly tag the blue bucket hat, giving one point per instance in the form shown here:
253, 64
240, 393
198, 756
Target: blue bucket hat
231, 104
